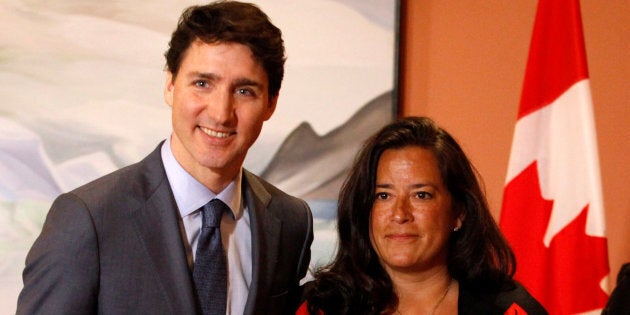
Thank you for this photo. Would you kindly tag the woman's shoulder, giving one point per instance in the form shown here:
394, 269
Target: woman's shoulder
519, 301
512, 299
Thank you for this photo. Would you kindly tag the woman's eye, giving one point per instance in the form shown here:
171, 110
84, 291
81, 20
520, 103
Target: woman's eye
423, 195
382, 196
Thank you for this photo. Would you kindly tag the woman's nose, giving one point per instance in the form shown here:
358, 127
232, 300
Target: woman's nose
400, 212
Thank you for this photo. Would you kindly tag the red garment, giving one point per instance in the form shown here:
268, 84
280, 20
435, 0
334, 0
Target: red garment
303, 310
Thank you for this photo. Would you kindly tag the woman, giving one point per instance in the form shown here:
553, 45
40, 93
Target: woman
416, 235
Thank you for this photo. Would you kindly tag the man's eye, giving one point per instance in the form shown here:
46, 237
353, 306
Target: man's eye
201, 84
244, 91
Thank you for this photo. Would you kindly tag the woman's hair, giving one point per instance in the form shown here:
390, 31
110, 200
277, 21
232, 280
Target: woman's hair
478, 255
230, 22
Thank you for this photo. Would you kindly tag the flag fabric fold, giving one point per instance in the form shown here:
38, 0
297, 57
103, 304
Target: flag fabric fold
552, 212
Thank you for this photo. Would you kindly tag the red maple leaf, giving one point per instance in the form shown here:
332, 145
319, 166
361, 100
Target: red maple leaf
564, 277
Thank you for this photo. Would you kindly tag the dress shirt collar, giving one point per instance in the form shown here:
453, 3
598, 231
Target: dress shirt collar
190, 194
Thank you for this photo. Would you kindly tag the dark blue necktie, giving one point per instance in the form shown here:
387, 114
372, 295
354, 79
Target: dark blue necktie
210, 268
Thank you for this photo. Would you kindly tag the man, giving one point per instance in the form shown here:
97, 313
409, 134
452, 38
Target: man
128, 243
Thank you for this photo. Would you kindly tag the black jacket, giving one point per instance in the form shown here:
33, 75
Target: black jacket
515, 299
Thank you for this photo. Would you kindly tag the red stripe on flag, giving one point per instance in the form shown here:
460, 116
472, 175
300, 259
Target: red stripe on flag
557, 57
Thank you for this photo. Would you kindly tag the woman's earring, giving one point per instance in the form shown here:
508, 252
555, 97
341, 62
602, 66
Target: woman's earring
456, 229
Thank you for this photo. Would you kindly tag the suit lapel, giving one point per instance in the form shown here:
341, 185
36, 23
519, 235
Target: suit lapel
266, 230
158, 227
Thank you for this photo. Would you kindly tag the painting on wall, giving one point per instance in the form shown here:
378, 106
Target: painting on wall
82, 95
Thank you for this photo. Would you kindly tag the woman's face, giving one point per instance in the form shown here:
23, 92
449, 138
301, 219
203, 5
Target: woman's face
411, 218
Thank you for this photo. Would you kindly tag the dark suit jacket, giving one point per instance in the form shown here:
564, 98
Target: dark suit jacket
115, 246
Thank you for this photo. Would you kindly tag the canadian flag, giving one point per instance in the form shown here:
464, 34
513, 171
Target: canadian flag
552, 213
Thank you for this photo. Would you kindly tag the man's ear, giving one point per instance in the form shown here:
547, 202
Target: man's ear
168, 88
271, 107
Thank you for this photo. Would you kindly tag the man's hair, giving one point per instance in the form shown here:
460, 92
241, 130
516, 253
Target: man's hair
230, 22
478, 255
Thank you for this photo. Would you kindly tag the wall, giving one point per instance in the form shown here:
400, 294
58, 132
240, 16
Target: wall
463, 63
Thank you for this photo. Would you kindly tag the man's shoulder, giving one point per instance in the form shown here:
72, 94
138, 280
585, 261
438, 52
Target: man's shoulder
139, 178
262, 186
288, 207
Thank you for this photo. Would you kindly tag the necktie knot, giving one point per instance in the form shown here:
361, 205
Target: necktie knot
213, 212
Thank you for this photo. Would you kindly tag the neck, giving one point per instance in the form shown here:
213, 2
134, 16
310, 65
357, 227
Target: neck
215, 181
424, 295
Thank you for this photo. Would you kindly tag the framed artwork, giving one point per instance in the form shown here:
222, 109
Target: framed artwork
82, 95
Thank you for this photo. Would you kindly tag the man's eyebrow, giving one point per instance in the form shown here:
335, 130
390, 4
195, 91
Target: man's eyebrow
203, 75
248, 82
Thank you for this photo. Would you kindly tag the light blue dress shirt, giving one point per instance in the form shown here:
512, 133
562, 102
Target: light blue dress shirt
190, 195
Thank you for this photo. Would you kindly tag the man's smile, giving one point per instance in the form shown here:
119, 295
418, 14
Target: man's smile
214, 133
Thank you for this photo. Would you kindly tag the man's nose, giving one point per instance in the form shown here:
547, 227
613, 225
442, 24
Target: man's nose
220, 107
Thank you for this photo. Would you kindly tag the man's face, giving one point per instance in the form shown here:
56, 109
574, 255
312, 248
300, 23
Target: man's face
219, 101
